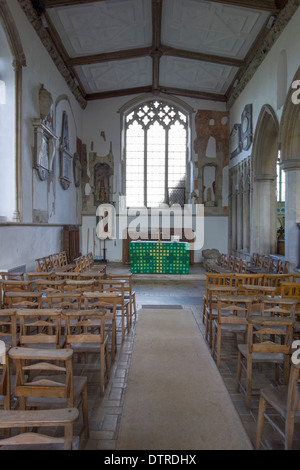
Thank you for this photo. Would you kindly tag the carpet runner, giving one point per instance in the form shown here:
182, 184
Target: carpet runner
175, 397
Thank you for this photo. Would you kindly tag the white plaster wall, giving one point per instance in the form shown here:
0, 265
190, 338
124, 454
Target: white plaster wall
7, 134
42, 70
262, 88
24, 243
103, 115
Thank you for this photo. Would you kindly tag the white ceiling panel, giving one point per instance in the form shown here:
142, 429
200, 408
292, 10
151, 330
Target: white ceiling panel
104, 26
131, 73
195, 75
211, 28
196, 48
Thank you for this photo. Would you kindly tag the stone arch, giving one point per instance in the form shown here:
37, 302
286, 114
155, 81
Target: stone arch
289, 131
289, 144
264, 202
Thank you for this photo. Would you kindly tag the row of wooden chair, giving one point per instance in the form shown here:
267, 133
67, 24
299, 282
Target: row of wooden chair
51, 262
267, 325
37, 340
86, 263
258, 263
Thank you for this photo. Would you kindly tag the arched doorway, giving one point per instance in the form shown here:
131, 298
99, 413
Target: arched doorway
264, 201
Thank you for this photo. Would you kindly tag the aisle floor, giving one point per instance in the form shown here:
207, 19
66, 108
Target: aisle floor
105, 413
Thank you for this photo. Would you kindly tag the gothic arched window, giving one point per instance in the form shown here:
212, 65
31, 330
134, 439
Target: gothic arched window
156, 154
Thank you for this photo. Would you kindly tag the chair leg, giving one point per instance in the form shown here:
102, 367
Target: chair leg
289, 431
219, 347
260, 422
249, 382
85, 412
239, 372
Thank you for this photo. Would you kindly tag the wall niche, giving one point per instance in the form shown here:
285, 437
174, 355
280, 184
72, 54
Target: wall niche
212, 149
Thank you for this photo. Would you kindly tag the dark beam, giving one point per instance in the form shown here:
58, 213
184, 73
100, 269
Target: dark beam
265, 5
149, 89
201, 95
115, 93
67, 3
170, 51
109, 56
156, 41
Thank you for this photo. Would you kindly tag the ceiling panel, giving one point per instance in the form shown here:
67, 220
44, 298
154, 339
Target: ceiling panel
195, 75
209, 27
131, 73
196, 48
104, 26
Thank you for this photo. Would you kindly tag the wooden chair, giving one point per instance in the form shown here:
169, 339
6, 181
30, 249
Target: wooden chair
23, 300
33, 276
65, 275
63, 300
129, 293
6, 276
44, 379
85, 333
247, 279
5, 386
215, 279
40, 328
108, 301
8, 327
79, 285
275, 280
211, 313
258, 350
123, 310
231, 319
285, 400
46, 285
39, 418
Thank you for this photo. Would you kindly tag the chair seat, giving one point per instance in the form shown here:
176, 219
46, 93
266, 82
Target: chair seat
75, 446
261, 357
78, 381
277, 398
233, 328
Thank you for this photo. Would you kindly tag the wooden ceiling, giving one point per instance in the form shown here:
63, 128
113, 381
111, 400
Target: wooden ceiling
234, 32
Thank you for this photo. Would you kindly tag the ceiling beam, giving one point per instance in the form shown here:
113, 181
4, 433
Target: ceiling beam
201, 95
170, 51
116, 93
109, 56
265, 5
149, 89
67, 3
156, 41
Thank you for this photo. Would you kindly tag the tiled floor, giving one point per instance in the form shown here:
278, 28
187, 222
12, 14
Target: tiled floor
105, 413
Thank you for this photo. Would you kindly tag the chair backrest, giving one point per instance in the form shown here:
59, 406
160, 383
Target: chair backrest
79, 285
275, 280
231, 313
217, 279
270, 334
25, 419
250, 279
84, 327
33, 362
290, 290
46, 285
23, 299
5, 376
277, 307
8, 326
63, 300
39, 327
